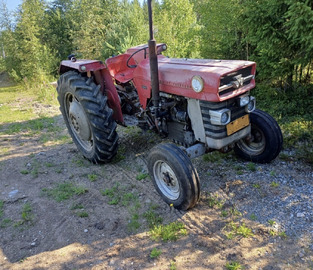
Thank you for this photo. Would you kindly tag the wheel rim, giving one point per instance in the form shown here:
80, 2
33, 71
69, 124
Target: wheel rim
166, 180
78, 122
255, 145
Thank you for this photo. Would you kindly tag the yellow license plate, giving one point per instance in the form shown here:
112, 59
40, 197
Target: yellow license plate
237, 124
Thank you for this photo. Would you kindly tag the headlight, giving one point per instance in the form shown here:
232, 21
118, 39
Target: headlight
221, 117
243, 101
197, 84
251, 105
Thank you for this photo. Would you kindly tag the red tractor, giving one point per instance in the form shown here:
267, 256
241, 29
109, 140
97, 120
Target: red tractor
202, 105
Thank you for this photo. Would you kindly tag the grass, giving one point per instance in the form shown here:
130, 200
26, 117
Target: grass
1, 208
92, 177
118, 194
214, 157
274, 184
173, 265
5, 223
169, 232
155, 253
142, 176
271, 222
251, 167
152, 218
233, 266
213, 202
26, 215
234, 229
257, 186
77, 206
82, 214
64, 191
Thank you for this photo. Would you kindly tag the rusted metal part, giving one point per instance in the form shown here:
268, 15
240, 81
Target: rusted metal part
113, 98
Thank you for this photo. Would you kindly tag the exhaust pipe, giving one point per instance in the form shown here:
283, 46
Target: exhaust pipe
154, 70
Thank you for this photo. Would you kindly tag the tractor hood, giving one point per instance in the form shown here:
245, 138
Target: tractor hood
221, 79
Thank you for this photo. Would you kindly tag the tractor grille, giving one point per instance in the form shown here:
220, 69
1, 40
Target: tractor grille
226, 82
214, 131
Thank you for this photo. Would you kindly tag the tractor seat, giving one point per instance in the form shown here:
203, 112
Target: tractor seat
118, 68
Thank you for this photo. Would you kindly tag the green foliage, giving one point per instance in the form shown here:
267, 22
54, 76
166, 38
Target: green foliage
1, 208
64, 191
155, 253
26, 215
170, 232
142, 176
176, 24
152, 218
82, 214
280, 33
234, 229
233, 266
221, 36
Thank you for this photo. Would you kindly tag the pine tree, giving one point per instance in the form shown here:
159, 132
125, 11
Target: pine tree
176, 25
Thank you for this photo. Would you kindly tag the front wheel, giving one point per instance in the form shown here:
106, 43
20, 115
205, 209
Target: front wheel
265, 142
174, 176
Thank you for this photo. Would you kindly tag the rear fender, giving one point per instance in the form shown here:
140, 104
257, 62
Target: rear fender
102, 76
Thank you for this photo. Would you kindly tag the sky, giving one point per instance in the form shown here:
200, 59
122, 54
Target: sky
12, 4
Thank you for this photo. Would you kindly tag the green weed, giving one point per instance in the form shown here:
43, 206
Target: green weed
257, 186
5, 223
244, 231
92, 177
1, 208
272, 173
253, 217
82, 214
64, 191
152, 218
27, 215
224, 213
271, 222
173, 265
251, 167
214, 157
113, 194
233, 266
127, 198
77, 206
155, 253
214, 201
142, 176
274, 184
134, 223
170, 232
237, 230
282, 235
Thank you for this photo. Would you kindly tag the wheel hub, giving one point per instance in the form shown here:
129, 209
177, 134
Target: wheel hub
79, 121
168, 179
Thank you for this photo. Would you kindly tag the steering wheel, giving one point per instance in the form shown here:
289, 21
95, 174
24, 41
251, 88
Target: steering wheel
133, 66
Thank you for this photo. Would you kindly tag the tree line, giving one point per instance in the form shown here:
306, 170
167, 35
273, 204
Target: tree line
277, 34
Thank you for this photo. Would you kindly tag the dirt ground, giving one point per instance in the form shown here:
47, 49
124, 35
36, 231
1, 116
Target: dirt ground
116, 235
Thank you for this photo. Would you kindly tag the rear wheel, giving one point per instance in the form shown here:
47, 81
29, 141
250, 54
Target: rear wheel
265, 142
174, 176
87, 116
